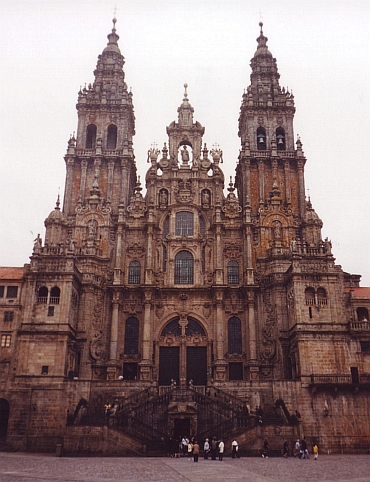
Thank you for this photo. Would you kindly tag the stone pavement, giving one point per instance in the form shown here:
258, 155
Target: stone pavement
18, 467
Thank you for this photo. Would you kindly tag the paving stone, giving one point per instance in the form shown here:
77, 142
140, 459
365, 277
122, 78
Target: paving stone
21, 467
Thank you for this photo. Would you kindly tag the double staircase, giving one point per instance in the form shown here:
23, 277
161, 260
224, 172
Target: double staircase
145, 417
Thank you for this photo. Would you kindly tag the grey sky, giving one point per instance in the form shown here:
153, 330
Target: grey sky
49, 49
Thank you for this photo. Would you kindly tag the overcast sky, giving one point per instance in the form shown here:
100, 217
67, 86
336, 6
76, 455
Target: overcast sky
50, 48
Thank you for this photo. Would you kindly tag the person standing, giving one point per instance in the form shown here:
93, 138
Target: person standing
195, 451
214, 444
304, 449
297, 448
266, 449
221, 449
234, 449
184, 443
285, 449
315, 451
190, 449
206, 448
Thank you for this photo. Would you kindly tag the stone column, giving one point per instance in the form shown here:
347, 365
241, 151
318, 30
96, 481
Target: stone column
124, 182
83, 179
252, 326
110, 181
288, 196
220, 364
146, 363
68, 190
114, 327
261, 178
301, 188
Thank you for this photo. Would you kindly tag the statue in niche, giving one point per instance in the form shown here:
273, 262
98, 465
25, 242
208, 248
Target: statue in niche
205, 197
163, 198
277, 230
91, 229
185, 155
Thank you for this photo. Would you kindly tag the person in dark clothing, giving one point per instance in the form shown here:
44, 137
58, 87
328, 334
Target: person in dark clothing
285, 449
266, 449
214, 445
304, 449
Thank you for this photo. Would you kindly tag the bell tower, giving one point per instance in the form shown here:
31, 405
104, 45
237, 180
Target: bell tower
270, 174
101, 157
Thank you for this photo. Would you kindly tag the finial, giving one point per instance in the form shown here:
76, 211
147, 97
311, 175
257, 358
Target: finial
261, 25
114, 21
57, 203
185, 93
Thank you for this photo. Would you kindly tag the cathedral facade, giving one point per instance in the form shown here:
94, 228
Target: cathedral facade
167, 303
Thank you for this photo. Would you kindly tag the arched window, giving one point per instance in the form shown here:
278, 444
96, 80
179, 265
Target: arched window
233, 273
112, 137
184, 224
280, 139
54, 296
192, 328
322, 298
43, 295
91, 136
172, 328
131, 336
309, 295
261, 139
134, 273
234, 335
184, 268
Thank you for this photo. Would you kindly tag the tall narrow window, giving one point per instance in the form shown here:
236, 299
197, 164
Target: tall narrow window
280, 139
131, 346
184, 224
134, 273
235, 335
184, 268
261, 139
233, 273
112, 137
91, 136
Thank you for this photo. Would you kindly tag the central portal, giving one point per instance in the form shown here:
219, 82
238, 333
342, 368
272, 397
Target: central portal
181, 428
183, 353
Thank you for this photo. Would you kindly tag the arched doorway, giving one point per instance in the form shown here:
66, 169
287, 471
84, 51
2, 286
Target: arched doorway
4, 418
183, 353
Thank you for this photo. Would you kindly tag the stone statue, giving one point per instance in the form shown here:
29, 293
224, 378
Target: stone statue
185, 155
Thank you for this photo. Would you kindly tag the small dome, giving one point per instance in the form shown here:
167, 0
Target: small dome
113, 39
56, 216
311, 217
262, 44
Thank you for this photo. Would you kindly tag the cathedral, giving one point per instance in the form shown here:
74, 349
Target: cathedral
194, 306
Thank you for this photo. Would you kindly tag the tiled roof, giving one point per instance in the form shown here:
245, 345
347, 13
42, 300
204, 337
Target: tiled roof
360, 292
11, 273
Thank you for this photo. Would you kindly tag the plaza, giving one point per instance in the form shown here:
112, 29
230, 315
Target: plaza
20, 467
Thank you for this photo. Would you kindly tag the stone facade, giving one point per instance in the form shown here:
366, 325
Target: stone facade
184, 285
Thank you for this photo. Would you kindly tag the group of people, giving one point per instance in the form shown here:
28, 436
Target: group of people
301, 450
189, 447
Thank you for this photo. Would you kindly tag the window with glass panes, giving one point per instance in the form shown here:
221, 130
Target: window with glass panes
184, 268
184, 224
